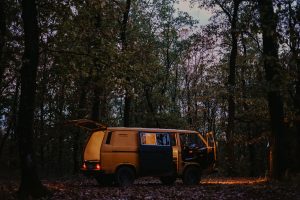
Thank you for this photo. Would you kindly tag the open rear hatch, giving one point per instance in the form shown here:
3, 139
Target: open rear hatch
91, 155
87, 124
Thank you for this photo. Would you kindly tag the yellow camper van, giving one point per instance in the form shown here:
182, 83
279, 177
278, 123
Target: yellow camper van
119, 155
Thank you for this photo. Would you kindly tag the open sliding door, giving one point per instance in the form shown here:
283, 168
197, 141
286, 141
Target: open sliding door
155, 153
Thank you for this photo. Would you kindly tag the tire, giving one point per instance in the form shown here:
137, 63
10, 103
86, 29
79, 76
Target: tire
105, 180
168, 180
125, 176
191, 176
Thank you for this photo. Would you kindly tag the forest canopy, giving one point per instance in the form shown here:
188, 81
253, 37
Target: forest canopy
147, 64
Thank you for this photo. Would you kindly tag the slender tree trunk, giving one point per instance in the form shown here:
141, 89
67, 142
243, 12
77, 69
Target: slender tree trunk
59, 117
80, 114
231, 87
30, 182
294, 18
250, 147
96, 105
189, 101
174, 95
42, 129
127, 108
96, 99
272, 69
2, 38
127, 99
98, 89
150, 105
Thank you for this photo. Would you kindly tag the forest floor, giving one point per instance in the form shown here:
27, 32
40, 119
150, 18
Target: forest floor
150, 188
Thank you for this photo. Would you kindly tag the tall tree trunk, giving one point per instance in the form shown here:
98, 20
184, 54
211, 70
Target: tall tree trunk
272, 70
2, 38
294, 19
96, 99
231, 86
59, 117
42, 129
41, 126
80, 114
30, 182
189, 100
127, 99
250, 147
150, 105
174, 92
98, 89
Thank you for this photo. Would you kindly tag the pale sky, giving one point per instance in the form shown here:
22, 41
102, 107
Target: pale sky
199, 14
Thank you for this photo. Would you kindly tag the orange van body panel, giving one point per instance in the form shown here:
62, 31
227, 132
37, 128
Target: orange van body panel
122, 150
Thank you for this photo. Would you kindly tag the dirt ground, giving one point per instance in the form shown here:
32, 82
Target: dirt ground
150, 188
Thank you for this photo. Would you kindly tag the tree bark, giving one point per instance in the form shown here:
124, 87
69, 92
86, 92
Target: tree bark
96, 99
81, 113
272, 70
188, 100
294, 18
127, 99
59, 117
98, 89
252, 170
231, 86
150, 105
2, 38
30, 182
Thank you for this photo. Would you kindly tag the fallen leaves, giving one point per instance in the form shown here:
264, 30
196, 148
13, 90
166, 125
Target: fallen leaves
151, 188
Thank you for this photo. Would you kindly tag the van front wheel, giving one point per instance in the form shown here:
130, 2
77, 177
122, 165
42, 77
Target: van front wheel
125, 176
191, 176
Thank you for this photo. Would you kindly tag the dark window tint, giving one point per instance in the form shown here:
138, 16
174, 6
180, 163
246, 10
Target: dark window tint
163, 139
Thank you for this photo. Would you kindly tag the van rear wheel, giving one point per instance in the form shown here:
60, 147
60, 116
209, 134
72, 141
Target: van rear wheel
125, 176
191, 176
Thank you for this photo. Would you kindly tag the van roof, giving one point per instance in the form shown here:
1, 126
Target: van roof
148, 129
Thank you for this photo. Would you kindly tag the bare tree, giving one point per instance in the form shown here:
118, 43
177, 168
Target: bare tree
30, 182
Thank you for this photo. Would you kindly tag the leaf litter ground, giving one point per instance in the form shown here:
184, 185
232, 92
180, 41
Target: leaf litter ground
151, 188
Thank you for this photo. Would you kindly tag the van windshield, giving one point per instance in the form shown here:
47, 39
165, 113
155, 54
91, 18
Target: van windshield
93, 146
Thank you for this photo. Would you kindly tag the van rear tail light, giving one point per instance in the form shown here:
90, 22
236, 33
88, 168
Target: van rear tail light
83, 166
98, 167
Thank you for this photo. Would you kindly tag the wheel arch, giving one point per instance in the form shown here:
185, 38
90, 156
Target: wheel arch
129, 165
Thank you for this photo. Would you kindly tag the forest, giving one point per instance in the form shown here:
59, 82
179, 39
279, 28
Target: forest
130, 63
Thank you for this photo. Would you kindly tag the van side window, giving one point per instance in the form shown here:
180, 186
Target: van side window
161, 139
148, 138
108, 138
191, 140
